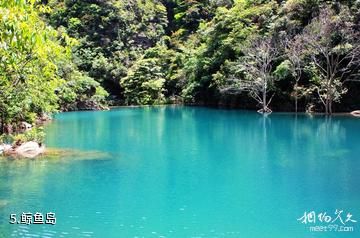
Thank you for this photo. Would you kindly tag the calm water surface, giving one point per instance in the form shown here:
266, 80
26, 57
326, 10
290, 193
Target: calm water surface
186, 172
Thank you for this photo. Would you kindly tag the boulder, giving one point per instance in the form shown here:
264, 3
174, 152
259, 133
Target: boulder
355, 113
8, 129
24, 126
4, 148
89, 105
43, 119
29, 149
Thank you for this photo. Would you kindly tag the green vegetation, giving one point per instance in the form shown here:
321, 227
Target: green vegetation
28, 51
35, 65
112, 35
203, 52
36, 134
292, 55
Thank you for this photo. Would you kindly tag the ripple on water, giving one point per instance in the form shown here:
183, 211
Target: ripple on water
87, 233
32, 235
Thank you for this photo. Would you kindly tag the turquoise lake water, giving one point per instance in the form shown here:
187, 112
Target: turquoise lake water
187, 172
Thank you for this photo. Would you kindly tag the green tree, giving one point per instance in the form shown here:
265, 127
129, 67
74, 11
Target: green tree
333, 45
145, 83
220, 42
112, 34
29, 52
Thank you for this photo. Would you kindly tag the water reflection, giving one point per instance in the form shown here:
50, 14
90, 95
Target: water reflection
183, 172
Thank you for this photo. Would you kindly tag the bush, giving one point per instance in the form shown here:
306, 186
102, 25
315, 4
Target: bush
36, 134
144, 83
80, 88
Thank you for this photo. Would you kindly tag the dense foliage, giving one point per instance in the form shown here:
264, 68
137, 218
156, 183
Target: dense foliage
273, 55
199, 51
112, 35
33, 58
28, 51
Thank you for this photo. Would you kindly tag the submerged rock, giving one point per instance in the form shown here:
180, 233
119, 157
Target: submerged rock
3, 203
33, 149
72, 154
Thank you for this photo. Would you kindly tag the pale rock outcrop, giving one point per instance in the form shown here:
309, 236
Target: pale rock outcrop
29, 149
355, 113
4, 148
24, 126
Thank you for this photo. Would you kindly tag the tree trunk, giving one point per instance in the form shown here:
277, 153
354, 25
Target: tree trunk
329, 97
264, 98
326, 106
330, 106
296, 97
327, 100
2, 123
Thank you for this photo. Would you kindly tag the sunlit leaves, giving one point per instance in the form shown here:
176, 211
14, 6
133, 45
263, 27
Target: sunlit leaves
29, 51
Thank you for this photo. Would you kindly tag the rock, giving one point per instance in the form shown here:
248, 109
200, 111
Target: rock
175, 100
310, 108
265, 111
355, 113
29, 149
8, 129
4, 148
43, 119
89, 105
24, 126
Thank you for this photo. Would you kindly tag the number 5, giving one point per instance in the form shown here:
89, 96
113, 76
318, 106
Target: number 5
12, 219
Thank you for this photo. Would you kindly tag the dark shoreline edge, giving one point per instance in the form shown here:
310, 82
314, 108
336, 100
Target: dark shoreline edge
233, 109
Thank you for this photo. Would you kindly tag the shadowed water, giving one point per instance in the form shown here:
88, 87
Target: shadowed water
186, 172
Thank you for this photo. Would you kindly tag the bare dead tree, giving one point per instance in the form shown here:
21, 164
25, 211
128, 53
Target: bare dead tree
294, 48
332, 43
257, 64
252, 72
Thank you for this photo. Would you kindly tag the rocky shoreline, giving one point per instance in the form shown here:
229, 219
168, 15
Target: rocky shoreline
30, 149
355, 113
